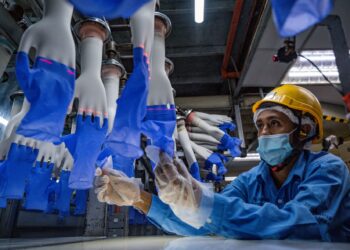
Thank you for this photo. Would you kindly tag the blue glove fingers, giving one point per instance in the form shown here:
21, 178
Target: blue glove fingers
109, 9
81, 202
230, 143
194, 171
160, 122
3, 201
53, 190
17, 169
90, 137
124, 138
70, 141
227, 126
37, 187
49, 88
64, 194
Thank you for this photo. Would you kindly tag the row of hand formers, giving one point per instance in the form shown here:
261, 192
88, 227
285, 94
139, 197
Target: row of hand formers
208, 137
49, 88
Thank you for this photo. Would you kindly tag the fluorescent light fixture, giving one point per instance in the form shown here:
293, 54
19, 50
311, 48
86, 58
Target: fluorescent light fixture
3, 121
199, 11
303, 72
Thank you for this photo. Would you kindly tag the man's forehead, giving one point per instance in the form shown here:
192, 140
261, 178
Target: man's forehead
271, 114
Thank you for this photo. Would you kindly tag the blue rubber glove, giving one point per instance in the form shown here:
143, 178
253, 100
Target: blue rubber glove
159, 125
3, 201
52, 190
124, 164
81, 202
227, 126
89, 138
49, 87
70, 141
125, 137
215, 158
37, 193
121, 163
194, 171
213, 177
109, 9
16, 171
230, 143
64, 194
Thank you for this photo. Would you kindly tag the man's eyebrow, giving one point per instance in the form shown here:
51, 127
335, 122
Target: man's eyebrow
270, 117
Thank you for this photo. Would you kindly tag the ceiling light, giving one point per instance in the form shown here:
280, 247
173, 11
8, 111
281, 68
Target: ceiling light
303, 72
198, 11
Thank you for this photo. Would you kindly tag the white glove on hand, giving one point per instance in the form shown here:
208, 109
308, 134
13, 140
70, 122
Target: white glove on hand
178, 189
114, 187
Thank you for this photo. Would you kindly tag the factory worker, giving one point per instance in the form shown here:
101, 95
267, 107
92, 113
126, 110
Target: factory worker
293, 193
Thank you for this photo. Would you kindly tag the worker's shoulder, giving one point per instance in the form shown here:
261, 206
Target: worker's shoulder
319, 160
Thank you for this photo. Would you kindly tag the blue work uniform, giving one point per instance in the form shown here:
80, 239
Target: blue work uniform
313, 203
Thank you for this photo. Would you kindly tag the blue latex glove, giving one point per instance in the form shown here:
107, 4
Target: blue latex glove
159, 125
64, 194
3, 201
227, 126
213, 177
89, 138
294, 16
16, 171
124, 164
230, 143
124, 138
215, 158
194, 171
49, 87
109, 9
121, 163
52, 191
37, 193
81, 202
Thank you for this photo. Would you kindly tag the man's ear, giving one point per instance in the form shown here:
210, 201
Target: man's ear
305, 130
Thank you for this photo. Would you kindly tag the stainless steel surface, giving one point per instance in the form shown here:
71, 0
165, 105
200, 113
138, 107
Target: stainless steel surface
166, 21
103, 23
170, 243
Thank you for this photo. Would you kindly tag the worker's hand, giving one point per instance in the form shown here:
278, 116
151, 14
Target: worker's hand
114, 187
178, 189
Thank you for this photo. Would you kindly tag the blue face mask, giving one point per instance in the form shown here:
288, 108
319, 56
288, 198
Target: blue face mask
274, 149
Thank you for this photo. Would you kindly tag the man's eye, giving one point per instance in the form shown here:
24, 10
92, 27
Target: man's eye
275, 123
259, 125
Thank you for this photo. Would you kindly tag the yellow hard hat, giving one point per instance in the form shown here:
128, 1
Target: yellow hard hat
297, 98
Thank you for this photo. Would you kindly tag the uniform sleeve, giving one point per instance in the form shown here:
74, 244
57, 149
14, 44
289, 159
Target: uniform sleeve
236, 188
162, 216
308, 215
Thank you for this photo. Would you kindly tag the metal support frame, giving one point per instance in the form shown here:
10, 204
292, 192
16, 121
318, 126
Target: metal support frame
340, 48
238, 120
